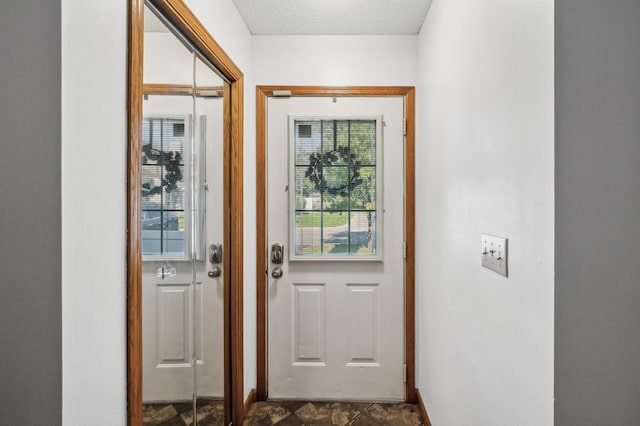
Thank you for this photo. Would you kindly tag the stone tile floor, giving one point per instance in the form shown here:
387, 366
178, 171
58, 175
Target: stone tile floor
289, 413
210, 413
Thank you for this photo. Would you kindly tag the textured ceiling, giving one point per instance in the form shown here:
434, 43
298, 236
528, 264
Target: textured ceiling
306, 17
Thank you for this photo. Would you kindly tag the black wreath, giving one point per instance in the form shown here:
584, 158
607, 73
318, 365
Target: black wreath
318, 160
172, 161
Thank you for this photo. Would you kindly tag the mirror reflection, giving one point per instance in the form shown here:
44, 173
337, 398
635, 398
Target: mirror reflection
183, 232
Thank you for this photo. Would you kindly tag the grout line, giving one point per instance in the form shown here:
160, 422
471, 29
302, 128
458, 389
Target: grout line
355, 418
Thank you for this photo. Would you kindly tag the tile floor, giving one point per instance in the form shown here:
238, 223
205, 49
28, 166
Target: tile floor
288, 413
210, 413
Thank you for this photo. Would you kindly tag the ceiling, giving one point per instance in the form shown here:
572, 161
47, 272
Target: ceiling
333, 17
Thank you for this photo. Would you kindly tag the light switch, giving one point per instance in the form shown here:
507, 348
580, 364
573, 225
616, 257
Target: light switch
494, 253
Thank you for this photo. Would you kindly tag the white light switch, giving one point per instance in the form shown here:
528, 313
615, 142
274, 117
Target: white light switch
494, 254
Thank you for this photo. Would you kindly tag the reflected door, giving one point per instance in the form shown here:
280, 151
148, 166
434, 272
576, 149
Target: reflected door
183, 233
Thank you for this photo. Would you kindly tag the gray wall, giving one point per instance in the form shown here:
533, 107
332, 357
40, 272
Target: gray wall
30, 302
597, 323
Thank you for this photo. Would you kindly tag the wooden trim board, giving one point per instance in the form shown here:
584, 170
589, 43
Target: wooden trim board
179, 15
181, 90
261, 244
423, 409
409, 232
262, 93
251, 398
134, 201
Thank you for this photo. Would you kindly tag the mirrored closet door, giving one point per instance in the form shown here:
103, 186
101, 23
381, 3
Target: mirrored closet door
185, 264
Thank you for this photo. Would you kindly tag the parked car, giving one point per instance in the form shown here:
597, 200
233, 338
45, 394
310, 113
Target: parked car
154, 218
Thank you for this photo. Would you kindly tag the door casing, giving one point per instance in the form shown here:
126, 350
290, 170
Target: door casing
262, 93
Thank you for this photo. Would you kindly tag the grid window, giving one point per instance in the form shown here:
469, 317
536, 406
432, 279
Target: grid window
163, 187
335, 181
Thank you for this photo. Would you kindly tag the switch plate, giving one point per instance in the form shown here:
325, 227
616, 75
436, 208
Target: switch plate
494, 253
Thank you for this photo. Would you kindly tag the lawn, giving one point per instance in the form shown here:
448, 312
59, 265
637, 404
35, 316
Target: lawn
330, 219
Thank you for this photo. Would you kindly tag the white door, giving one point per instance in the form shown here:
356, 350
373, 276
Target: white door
336, 203
182, 309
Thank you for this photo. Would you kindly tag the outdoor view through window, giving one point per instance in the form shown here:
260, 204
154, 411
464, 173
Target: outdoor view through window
336, 188
163, 187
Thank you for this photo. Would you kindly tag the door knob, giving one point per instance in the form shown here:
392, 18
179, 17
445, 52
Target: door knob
277, 272
215, 272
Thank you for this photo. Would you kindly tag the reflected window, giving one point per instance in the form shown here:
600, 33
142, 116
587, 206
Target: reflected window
336, 188
163, 186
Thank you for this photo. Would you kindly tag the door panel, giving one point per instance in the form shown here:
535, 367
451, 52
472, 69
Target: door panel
309, 334
168, 340
363, 338
335, 325
172, 323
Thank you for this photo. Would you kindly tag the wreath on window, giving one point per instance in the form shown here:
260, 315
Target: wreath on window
172, 161
317, 162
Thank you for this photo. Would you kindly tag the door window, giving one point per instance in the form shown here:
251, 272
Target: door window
335, 189
163, 186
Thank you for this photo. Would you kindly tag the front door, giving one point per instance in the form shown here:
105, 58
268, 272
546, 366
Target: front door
335, 231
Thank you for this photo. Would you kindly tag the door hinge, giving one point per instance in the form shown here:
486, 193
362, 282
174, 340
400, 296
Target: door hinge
404, 373
404, 249
404, 127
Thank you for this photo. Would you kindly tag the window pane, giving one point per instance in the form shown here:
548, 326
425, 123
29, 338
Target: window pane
336, 187
336, 233
173, 241
174, 188
307, 140
151, 242
151, 183
146, 131
363, 233
363, 196
335, 141
327, 136
173, 136
363, 141
307, 196
151, 141
308, 233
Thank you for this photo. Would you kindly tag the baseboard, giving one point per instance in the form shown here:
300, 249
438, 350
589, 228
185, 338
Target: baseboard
423, 409
251, 398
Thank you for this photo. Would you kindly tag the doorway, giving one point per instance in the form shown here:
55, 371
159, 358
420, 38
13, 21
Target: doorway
335, 243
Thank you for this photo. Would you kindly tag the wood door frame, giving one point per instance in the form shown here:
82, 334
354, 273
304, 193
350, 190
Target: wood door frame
264, 92
179, 15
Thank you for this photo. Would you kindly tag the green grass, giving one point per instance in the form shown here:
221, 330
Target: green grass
335, 249
330, 220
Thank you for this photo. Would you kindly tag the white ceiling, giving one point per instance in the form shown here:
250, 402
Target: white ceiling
323, 17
